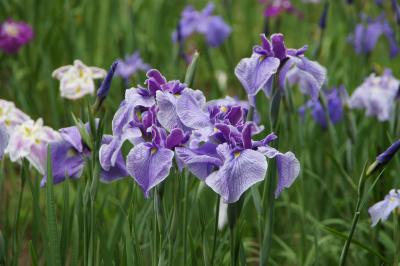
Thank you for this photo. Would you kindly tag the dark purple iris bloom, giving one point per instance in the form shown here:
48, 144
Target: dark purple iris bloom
334, 104
214, 29
275, 8
367, 33
13, 35
149, 163
272, 58
132, 63
69, 155
4, 138
324, 16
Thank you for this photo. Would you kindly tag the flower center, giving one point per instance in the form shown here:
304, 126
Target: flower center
153, 150
223, 109
236, 154
11, 30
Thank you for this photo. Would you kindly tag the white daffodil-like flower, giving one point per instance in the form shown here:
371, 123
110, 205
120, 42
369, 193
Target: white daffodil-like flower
11, 116
77, 79
29, 140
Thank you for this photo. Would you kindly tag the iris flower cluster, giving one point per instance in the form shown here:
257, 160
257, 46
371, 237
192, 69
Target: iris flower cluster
168, 122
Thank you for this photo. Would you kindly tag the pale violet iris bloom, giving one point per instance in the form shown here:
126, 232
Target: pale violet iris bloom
77, 80
376, 95
382, 209
29, 140
11, 116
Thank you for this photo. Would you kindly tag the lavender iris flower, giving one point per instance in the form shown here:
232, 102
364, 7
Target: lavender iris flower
149, 163
228, 160
13, 35
376, 95
367, 33
382, 209
334, 107
69, 156
4, 138
214, 29
128, 67
273, 58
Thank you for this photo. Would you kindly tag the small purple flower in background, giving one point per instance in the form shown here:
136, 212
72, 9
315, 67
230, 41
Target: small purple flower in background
382, 209
335, 103
367, 33
272, 57
13, 35
214, 29
376, 95
4, 138
275, 8
68, 156
387, 155
130, 65
29, 140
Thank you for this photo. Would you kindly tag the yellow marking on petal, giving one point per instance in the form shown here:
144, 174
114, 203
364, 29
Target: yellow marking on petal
37, 141
1, 111
215, 129
392, 199
139, 115
177, 95
153, 150
7, 122
11, 30
28, 131
223, 109
71, 153
78, 90
261, 58
236, 154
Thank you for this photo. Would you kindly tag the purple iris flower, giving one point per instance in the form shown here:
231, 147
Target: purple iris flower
377, 95
149, 163
382, 209
273, 58
214, 29
275, 8
13, 35
4, 138
69, 156
335, 103
132, 63
228, 160
367, 33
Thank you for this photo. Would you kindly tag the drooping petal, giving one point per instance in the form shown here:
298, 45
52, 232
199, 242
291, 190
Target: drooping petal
239, 172
190, 111
382, 209
254, 72
200, 162
288, 170
149, 166
117, 169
